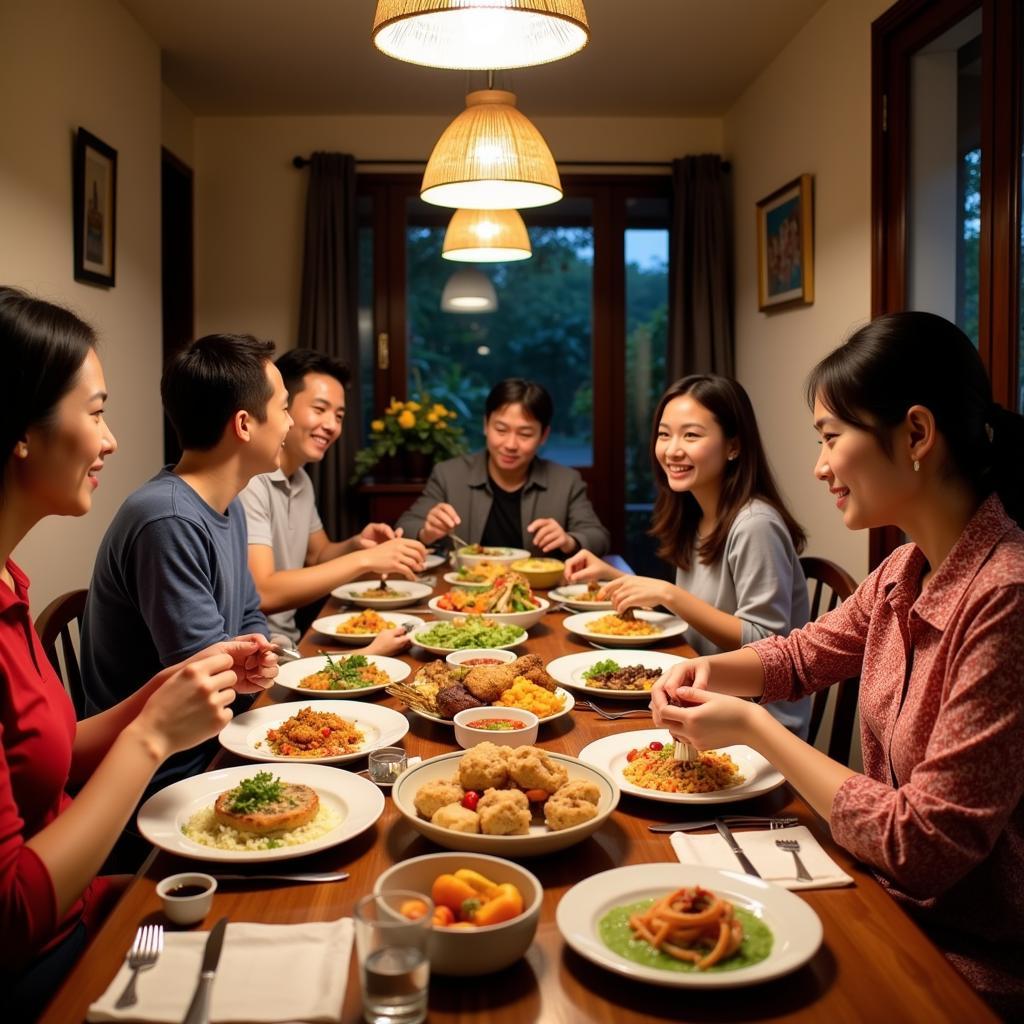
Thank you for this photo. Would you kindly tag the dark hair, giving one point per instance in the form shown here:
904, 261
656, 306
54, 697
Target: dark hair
43, 348
297, 362
207, 382
905, 359
677, 516
527, 393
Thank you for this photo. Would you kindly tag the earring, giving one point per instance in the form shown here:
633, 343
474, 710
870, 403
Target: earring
917, 465
21, 449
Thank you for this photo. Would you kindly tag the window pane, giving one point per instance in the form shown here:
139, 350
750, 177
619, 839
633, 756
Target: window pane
544, 307
646, 253
944, 207
367, 349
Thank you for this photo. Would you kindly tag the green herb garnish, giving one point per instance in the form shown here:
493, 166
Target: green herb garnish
600, 667
252, 794
345, 674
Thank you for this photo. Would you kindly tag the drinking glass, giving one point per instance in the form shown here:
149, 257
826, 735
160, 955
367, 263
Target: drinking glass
386, 764
392, 951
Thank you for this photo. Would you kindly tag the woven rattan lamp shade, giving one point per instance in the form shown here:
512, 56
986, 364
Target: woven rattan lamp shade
491, 158
486, 236
480, 34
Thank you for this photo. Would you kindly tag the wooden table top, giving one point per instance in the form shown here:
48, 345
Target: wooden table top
874, 964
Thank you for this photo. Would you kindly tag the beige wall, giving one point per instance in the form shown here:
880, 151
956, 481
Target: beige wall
250, 201
177, 127
62, 65
809, 111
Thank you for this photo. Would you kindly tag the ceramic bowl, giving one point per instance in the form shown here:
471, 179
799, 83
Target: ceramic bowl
524, 736
182, 904
522, 619
499, 654
540, 573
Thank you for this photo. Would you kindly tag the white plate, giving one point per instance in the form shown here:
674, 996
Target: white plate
327, 625
442, 651
567, 595
456, 581
609, 754
539, 840
510, 555
523, 619
567, 697
432, 562
795, 927
410, 593
669, 626
357, 802
569, 669
246, 735
291, 673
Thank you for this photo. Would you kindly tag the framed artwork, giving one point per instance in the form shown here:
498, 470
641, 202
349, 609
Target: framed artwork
95, 209
785, 246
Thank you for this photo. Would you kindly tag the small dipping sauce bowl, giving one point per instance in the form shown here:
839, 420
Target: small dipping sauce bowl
188, 897
505, 727
386, 764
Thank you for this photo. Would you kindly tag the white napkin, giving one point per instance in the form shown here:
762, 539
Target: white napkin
774, 865
267, 973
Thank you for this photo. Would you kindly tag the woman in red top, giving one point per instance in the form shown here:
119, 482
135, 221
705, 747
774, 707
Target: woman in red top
909, 437
53, 443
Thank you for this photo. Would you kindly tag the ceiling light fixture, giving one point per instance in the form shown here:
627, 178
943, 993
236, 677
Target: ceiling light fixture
486, 236
469, 291
491, 158
480, 34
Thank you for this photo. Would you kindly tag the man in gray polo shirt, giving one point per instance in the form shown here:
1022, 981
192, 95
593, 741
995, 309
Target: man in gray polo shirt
291, 558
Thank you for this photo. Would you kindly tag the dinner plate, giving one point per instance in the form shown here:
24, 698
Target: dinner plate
525, 619
246, 734
291, 673
361, 594
432, 562
539, 840
326, 627
568, 699
669, 626
796, 929
356, 801
442, 651
457, 581
609, 754
569, 670
568, 595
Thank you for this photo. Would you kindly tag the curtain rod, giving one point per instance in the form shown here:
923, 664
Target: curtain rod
302, 161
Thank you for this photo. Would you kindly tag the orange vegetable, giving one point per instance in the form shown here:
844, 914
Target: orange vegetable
506, 903
451, 891
462, 926
484, 886
443, 917
413, 909
537, 796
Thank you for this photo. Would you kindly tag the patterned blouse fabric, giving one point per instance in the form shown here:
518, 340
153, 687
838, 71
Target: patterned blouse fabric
938, 810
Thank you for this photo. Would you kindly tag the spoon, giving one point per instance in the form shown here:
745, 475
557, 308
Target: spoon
286, 653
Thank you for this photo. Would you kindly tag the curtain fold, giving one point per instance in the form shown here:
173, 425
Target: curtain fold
701, 282
328, 317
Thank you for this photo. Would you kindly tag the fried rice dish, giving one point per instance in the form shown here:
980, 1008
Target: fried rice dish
614, 625
367, 621
658, 770
315, 734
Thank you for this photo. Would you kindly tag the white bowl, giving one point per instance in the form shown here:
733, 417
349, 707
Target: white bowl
506, 556
471, 951
523, 619
186, 909
469, 653
466, 736
538, 841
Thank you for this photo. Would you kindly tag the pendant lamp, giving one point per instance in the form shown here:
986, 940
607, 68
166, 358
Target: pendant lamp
480, 34
469, 291
491, 158
486, 236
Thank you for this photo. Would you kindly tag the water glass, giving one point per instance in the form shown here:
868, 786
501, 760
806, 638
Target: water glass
386, 764
392, 951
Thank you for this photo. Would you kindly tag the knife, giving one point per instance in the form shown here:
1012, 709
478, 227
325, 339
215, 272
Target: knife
199, 1010
736, 820
723, 831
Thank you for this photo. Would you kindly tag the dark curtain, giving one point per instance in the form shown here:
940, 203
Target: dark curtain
700, 338
328, 318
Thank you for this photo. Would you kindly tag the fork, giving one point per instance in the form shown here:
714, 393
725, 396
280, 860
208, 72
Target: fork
793, 846
734, 820
148, 945
611, 715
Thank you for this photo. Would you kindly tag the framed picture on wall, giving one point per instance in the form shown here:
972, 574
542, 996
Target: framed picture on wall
94, 181
785, 246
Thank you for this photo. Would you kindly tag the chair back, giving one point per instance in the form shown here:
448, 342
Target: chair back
836, 584
54, 626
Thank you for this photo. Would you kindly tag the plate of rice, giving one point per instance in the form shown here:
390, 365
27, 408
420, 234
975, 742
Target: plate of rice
610, 630
341, 675
641, 763
180, 818
321, 732
360, 628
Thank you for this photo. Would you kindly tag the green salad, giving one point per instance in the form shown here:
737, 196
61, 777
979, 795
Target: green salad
600, 667
471, 632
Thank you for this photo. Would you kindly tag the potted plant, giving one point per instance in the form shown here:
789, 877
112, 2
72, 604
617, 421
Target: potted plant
409, 438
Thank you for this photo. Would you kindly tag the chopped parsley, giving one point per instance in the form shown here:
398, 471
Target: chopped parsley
252, 794
346, 674
599, 668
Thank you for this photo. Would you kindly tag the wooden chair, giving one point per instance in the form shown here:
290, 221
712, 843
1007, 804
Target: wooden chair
53, 625
839, 584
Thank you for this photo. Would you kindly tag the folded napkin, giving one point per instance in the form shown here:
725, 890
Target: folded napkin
774, 865
267, 973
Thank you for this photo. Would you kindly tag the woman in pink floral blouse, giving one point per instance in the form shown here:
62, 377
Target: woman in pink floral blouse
909, 437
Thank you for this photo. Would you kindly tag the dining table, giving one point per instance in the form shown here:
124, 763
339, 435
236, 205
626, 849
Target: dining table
874, 963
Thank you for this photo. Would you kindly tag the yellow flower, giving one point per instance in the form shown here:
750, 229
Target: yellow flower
431, 417
439, 409
413, 406
395, 405
406, 420
442, 425
377, 426
451, 414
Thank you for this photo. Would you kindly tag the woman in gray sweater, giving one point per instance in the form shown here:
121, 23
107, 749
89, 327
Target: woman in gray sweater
722, 524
